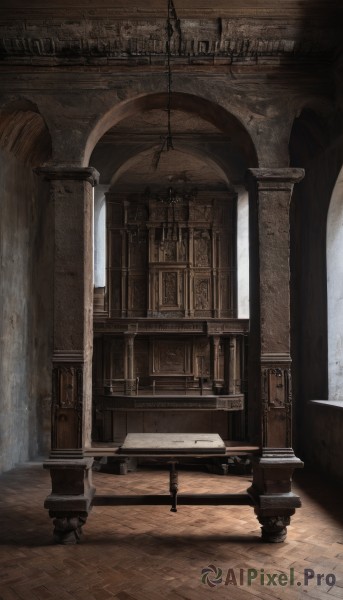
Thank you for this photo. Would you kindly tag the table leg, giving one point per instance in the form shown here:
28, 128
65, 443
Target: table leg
173, 485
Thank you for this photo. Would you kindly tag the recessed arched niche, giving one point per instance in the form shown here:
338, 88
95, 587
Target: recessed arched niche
176, 225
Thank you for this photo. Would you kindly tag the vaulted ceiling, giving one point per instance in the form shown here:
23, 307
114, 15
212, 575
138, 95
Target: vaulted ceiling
130, 154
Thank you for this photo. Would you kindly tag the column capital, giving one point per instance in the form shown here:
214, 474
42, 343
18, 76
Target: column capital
270, 179
63, 172
129, 336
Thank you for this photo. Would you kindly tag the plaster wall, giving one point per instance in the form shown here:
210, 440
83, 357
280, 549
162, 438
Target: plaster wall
324, 439
24, 337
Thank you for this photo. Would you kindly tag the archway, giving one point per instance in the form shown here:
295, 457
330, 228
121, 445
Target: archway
210, 155
213, 113
200, 128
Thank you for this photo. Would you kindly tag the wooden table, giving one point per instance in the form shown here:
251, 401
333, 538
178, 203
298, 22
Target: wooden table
174, 447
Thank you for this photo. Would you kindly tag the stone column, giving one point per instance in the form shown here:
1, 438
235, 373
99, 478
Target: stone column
72, 490
270, 398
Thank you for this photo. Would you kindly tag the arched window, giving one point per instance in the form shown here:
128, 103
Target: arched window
100, 236
243, 254
334, 257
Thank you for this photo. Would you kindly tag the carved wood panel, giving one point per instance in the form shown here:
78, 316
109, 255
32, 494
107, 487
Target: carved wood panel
169, 289
113, 358
169, 251
67, 384
277, 402
277, 384
171, 357
138, 250
137, 294
114, 212
226, 295
115, 288
202, 248
202, 367
202, 293
115, 249
182, 247
141, 357
137, 213
200, 212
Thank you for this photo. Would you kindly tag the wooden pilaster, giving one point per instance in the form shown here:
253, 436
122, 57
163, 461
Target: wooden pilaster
270, 360
72, 491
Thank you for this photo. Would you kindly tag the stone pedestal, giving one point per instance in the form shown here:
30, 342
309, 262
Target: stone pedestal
272, 491
71, 496
269, 360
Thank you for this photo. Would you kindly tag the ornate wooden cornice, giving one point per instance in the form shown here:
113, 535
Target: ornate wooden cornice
99, 39
171, 326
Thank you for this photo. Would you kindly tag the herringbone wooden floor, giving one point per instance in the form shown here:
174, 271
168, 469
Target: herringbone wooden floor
143, 553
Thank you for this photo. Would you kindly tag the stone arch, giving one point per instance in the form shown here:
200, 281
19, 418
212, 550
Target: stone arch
223, 120
24, 133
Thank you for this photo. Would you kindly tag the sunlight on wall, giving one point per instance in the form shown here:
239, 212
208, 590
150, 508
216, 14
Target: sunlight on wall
100, 236
334, 258
243, 254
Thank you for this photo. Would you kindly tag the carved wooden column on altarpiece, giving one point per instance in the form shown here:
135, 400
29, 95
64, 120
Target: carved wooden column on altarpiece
270, 394
72, 490
130, 382
215, 339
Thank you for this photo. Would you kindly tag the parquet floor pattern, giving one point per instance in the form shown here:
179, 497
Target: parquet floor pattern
150, 553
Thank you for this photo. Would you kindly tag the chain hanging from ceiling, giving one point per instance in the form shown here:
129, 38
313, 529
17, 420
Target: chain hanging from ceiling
170, 228
173, 24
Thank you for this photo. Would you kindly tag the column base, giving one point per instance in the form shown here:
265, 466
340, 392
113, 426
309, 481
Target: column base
71, 497
271, 491
68, 527
130, 387
274, 528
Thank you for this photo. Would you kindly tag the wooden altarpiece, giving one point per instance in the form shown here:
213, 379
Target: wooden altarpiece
167, 340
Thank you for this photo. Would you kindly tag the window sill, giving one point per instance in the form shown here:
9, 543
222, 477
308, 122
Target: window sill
329, 403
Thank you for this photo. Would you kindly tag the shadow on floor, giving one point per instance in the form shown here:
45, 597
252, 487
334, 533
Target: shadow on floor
321, 490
